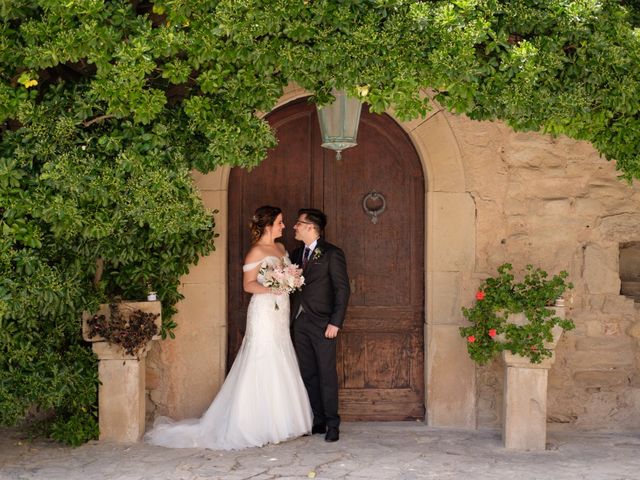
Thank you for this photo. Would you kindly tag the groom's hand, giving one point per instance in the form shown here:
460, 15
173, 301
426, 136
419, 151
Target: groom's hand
331, 331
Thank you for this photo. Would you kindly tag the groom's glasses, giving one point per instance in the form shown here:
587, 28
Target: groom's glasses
306, 223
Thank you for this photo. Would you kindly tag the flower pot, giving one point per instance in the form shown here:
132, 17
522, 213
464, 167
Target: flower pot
520, 319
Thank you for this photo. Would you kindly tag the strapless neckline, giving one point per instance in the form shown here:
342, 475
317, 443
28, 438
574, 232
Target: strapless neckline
249, 266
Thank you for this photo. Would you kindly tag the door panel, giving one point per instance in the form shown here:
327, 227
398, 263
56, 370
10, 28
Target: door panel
381, 348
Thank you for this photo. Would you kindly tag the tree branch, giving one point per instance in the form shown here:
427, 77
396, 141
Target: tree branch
88, 123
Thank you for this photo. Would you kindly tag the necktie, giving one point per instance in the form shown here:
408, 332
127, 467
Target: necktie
305, 256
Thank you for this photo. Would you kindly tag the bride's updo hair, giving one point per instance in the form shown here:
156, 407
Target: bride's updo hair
263, 217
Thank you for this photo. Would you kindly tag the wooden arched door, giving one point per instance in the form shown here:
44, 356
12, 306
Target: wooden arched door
381, 347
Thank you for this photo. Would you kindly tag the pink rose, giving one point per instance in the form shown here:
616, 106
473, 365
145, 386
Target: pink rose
471, 339
479, 295
492, 332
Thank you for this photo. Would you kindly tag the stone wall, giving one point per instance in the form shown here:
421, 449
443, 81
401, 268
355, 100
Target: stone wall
517, 197
556, 204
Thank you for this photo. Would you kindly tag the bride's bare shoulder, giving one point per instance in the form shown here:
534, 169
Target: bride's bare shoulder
254, 254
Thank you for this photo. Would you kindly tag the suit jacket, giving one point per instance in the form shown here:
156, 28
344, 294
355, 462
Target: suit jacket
325, 293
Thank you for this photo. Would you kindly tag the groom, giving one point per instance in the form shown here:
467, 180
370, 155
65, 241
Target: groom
317, 313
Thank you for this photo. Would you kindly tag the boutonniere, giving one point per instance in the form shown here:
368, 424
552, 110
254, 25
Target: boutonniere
317, 253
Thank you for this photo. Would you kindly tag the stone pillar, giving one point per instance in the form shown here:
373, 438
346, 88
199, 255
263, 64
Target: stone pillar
121, 394
524, 407
524, 419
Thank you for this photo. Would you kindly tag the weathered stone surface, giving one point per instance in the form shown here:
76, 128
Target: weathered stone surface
493, 196
455, 238
621, 227
216, 180
372, 451
121, 399
618, 304
602, 378
452, 397
447, 298
525, 408
634, 330
601, 269
441, 154
599, 344
602, 359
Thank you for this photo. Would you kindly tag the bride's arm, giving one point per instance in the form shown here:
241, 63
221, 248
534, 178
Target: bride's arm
250, 282
250, 277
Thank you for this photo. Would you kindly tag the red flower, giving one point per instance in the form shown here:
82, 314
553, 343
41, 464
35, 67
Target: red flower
534, 348
479, 295
492, 332
471, 339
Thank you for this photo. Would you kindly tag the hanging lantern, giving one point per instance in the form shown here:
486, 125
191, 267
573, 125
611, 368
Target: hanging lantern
339, 122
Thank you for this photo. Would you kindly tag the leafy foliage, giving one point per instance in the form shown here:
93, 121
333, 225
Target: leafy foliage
106, 106
500, 296
119, 198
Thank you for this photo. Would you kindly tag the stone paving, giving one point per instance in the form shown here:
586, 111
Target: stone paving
399, 450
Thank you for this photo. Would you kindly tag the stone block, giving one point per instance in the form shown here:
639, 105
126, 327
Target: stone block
454, 239
121, 400
596, 302
547, 187
602, 378
517, 206
211, 270
603, 359
524, 424
451, 390
152, 378
601, 269
446, 298
588, 207
435, 138
618, 304
203, 308
410, 125
557, 207
598, 344
614, 327
216, 180
622, 227
634, 330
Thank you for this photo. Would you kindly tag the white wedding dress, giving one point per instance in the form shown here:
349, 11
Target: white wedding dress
262, 400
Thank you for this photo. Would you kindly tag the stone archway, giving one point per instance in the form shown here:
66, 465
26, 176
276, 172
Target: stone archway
185, 374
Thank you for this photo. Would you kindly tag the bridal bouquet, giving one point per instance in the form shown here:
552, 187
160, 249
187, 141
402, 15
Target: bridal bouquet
284, 277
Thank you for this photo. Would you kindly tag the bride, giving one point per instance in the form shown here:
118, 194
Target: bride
263, 399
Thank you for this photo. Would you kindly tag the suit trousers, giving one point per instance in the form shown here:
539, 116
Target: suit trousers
317, 359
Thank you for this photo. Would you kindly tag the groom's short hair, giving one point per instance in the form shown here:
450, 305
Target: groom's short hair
315, 216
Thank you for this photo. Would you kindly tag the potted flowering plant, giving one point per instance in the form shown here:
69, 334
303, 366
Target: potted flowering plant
516, 316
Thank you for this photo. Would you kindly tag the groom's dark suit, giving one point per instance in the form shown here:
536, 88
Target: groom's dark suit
324, 299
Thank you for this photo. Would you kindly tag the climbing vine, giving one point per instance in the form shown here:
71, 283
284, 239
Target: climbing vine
107, 106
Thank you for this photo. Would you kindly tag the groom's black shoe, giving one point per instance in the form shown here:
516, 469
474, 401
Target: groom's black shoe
333, 435
319, 429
